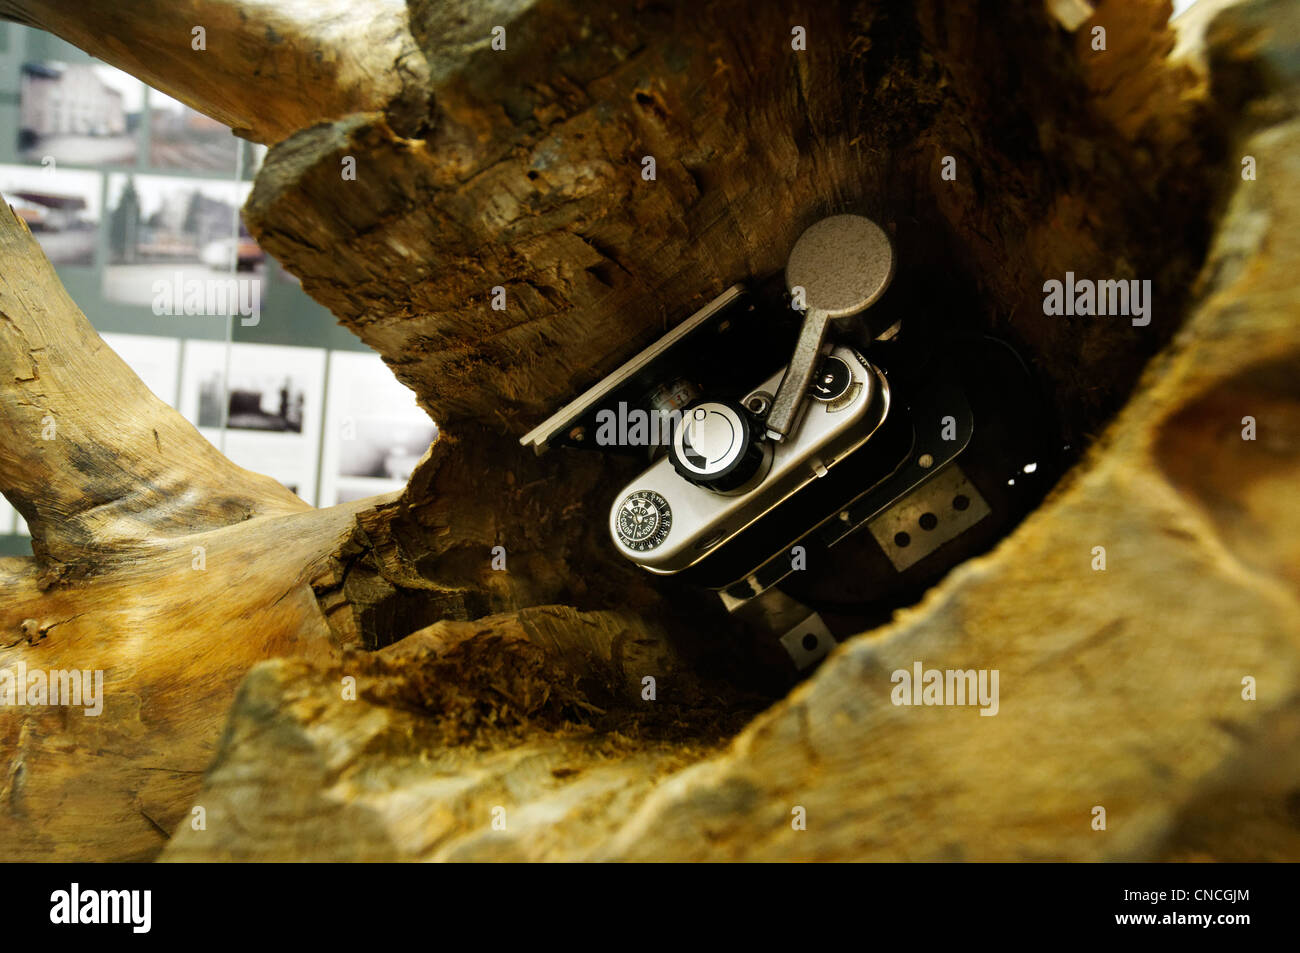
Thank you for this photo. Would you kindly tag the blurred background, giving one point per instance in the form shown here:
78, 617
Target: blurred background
135, 199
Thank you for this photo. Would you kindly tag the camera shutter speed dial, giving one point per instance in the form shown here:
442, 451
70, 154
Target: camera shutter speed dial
717, 446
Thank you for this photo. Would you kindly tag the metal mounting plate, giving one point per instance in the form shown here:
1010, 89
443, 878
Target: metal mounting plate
900, 530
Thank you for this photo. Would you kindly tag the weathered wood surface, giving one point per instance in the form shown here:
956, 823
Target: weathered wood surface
1120, 689
125, 499
263, 67
522, 168
99, 467
527, 175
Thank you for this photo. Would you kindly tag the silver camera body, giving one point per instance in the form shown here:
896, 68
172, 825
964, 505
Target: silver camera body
745, 472
674, 514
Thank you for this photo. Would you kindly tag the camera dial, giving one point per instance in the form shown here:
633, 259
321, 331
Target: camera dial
832, 380
718, 446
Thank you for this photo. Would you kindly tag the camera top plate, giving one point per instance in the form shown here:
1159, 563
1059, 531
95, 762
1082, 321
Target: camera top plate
667, 524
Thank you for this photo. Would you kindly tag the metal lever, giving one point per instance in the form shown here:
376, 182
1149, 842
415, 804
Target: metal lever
843, 264
798, 374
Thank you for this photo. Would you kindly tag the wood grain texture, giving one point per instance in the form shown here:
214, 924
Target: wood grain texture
99, 467
172, 642
527, 175
268, 67
522, 168
1121, 689
158, 563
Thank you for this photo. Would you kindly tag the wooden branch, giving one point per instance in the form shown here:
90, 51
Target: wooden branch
1162, 690
525, 170
172, 637
98, 466
171, 571
159, 564
267, 67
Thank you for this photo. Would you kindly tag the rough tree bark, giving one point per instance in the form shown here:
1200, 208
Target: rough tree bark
522, 168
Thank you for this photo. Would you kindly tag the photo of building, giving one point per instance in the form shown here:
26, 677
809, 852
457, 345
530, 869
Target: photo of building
157, 224
83, 114
181, 138
60, 207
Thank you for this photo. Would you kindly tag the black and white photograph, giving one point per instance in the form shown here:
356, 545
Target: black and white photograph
60, 206
260, 404
184, 236
375, 432
79, 114
271, 401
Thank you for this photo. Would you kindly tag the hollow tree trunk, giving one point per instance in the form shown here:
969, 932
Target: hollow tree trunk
522, 168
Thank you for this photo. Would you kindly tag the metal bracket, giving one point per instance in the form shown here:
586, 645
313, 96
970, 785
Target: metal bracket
940, 509
800, 630
809, 642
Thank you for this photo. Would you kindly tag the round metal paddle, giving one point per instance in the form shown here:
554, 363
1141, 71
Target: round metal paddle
843, 264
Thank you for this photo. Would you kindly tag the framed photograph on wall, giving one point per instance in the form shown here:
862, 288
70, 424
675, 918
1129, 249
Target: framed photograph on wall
181, 138
375, 432
185, 236
79, 114
266, 414
60, 206
155, 360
